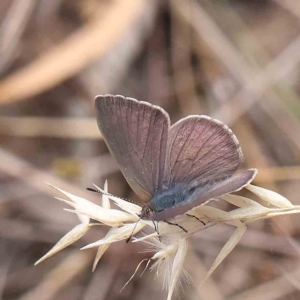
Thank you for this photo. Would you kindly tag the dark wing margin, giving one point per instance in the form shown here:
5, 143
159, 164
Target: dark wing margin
200, 150
136, 134
232, 184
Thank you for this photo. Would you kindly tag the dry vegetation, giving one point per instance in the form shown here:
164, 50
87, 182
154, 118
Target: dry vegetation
235, 60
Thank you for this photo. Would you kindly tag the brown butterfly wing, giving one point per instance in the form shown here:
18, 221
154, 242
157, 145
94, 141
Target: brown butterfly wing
200, 150
136, 134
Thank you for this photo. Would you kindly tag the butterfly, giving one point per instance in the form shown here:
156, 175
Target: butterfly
172, 168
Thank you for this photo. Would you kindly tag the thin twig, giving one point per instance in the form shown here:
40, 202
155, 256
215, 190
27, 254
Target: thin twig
68, 58
277, 288
70, 128
255, 83
59, 277
19, 168
12, 28
291, 6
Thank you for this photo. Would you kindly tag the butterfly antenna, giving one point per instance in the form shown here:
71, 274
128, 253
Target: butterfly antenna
129, 238
93, 190
98, 190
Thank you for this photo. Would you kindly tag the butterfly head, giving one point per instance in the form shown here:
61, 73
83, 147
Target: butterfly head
147, 212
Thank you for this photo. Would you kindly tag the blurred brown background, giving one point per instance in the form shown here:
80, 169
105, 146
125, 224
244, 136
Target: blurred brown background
237, 61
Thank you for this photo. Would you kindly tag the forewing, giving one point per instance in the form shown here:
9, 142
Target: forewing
136, 134
203, 194
199, 150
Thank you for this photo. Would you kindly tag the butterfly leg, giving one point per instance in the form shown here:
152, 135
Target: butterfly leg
192, 216
129, 238
175, 224
156, 229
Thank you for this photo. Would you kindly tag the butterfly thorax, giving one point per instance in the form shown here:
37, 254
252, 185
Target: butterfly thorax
167, 199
